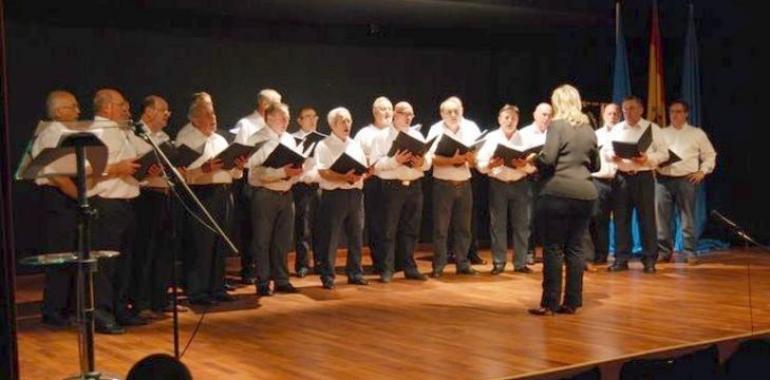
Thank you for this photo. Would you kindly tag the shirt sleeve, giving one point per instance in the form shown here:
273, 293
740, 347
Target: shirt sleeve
708, 155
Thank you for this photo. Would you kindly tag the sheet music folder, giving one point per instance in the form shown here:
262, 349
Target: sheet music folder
60, 161
236, 150
411, 144
508, 154
281, 156
672, 159
447, 145
149, 158
346, 163
633, 149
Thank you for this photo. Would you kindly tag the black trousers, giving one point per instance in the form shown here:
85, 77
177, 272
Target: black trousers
635, 191
153, 251
565, 223
306, 200
600, 219
340, 210
241, 223
113, 230
373, 216
403, 210
60, 235
204, 264
273, 216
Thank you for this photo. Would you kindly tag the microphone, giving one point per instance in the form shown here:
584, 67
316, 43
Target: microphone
724, 220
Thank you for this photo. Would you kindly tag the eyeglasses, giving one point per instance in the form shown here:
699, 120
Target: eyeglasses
408, 114
309, 117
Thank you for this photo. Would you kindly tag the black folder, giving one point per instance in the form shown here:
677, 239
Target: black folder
185, 155
149, 158
281, 156
413, 145
236, 150
311, 141
508, 153
346, 163
633, 149
447, 145
672, 158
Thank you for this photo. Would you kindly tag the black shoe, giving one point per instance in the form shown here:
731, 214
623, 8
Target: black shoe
542, 311
224, 297
56, 320
564, 309
467, 271
497, 269
131, 320
229, 286
649, 268
436, 274
357, 281
524, 269
302, 272
248, 280
386, 277
327, 282
264, 290
475, 259
108, 328
286, 288
203, 301
415, 275
617, 267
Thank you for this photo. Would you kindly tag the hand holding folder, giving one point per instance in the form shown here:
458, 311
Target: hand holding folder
509, 154
633, 149
282, 155
235, 151
345, 163
415, 146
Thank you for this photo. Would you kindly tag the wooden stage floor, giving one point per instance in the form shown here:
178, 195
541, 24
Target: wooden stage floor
458, 327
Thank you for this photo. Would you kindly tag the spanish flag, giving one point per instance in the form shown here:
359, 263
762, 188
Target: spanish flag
656, 102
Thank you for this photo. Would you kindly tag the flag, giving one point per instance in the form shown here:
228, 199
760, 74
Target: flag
621, 81
656, 102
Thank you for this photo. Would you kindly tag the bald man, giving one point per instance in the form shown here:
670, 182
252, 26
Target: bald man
382, 111
59, 196
155, 230
113, 197
534, 135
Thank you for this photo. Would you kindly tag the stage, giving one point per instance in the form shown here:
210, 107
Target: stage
458, 327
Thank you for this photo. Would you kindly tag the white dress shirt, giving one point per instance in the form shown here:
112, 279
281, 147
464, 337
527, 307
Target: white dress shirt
328, 151
467, 133
656, 153
143, 148
48, 138
604, 141
310, 173
532, 136
693, 147
503, 173
247, 126
366, 137
121, 145
271, 178
387, 167
212, 145
187, 128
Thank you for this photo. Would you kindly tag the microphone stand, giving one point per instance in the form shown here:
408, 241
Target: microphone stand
739, 231
139, 131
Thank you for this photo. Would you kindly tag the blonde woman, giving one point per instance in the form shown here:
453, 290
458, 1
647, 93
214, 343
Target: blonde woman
565, 202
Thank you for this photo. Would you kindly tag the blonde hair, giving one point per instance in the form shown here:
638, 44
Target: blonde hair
567, 105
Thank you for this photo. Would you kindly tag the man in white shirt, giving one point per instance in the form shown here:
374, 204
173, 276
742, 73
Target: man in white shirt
307, 195
635, 185
510, 192
341, 204
382, 111
401, 176
205, 250
153, 259
58, 195
677, 183
272, 205
113, 197
534, 135
452, 192
243, 130
603, 179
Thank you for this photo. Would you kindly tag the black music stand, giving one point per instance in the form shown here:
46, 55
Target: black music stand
58, 162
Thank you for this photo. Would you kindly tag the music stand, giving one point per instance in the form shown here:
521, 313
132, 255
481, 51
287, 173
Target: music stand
57, 162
